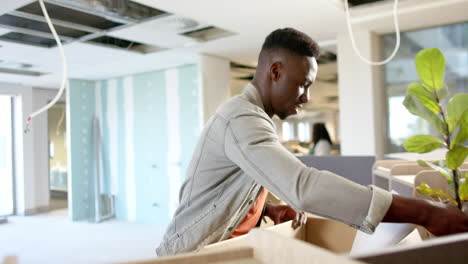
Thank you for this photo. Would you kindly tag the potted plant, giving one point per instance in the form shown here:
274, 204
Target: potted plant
423, 99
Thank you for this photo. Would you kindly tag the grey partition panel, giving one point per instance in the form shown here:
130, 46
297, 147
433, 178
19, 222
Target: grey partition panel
355, 168
402, 189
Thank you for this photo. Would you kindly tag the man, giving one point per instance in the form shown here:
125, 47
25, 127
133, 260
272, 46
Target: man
239, 155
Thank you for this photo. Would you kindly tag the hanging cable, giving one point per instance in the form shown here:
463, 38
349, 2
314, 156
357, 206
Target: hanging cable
353, 42
64, 69
60, 122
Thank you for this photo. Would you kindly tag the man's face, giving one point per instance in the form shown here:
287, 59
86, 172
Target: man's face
290, 88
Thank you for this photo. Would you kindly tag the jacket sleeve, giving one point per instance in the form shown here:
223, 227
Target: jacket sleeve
252, 144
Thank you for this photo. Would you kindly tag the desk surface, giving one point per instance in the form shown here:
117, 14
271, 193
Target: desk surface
405, 179
382, 172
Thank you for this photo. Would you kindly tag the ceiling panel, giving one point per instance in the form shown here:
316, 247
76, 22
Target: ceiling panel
4, 31
412, 14
162, 32
254, 20
10, 5
86, 61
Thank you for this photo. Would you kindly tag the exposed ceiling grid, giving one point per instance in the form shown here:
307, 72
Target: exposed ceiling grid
250, 20
253, 20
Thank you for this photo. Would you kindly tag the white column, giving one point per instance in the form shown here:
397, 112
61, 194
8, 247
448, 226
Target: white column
214, 77
129, 117
40, 132
361, 98
24, 148
173, 132
112, 120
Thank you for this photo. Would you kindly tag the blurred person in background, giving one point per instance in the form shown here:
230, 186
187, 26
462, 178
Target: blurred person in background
321, 140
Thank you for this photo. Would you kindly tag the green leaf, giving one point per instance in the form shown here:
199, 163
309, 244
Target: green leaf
456, 107
427, 98
456, 156
462, 134
422, 163
442, 170
441, 163
435, 193
430, 64
463, 189
417, 108
422, 143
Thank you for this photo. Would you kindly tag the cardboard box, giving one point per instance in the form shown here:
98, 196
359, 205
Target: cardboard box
335, 236
325, 233
261, 246
269, 247
241, 255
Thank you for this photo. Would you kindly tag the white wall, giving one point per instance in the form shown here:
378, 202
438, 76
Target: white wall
40, 181
24, 161
215, 78
31, 150
361, 99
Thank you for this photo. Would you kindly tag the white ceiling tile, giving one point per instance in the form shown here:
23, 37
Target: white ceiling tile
162, 32
10, 5
254, 20
4, 31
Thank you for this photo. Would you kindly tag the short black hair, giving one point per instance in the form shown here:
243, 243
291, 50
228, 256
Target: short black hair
292, 40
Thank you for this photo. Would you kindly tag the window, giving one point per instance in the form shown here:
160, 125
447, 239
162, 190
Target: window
452, 40
303, 130
288, 131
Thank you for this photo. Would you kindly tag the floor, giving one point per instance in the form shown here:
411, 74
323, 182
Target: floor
52, 238
58, 200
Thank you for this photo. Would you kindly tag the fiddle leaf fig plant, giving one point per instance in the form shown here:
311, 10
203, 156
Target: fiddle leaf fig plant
464, 189
423, 99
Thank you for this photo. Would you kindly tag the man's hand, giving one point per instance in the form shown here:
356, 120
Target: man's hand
283, 213
445, 220
440, 219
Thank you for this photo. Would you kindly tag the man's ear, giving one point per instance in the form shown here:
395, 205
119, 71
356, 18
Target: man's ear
276, 71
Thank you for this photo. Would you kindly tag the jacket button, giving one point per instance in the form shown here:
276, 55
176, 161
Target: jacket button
251, 201
230, 229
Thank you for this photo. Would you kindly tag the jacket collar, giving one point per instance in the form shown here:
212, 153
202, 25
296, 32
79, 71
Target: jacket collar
252, 95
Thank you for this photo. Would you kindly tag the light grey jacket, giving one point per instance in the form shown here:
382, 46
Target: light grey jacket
239, 152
